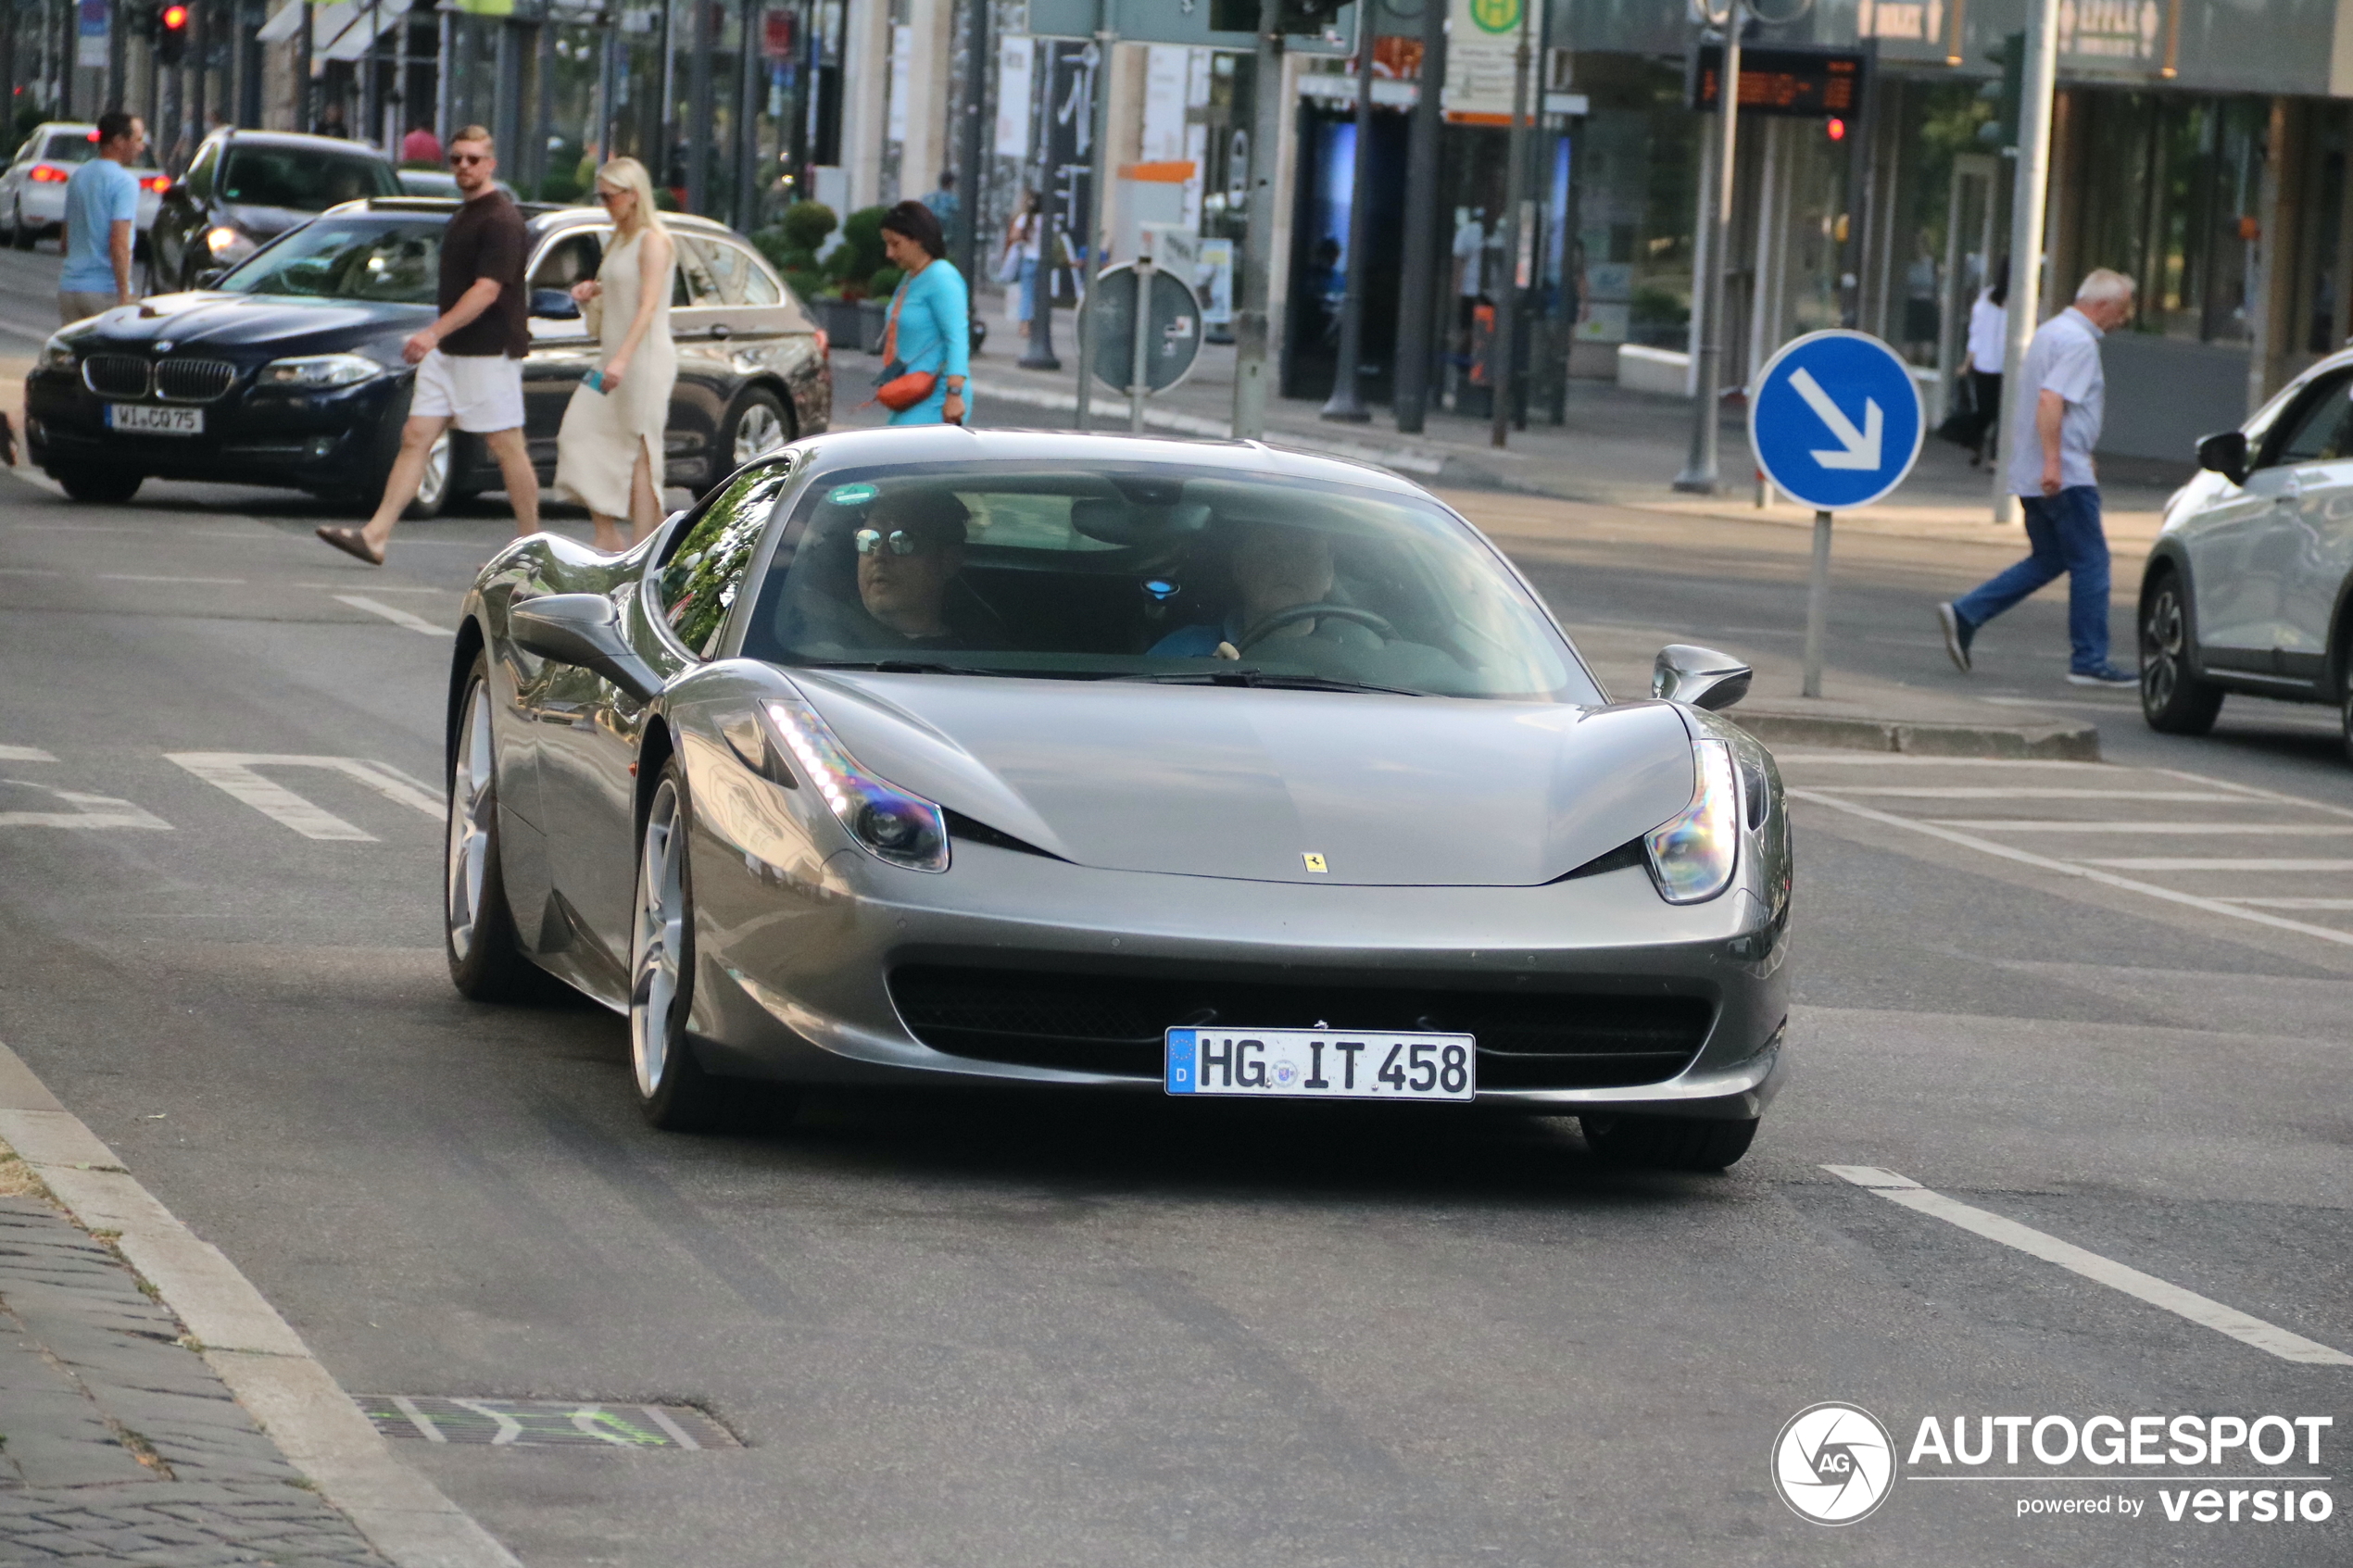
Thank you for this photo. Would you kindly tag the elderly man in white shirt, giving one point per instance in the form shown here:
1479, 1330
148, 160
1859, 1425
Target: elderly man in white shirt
2054, 423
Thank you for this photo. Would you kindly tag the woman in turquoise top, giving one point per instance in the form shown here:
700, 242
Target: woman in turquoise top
931, 328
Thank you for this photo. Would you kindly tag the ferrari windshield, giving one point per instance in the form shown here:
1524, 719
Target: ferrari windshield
1153, 572
394, 261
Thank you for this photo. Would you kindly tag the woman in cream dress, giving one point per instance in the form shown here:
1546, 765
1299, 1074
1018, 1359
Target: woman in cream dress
608, 453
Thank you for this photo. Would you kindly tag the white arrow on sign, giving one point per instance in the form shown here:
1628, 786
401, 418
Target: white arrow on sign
1861, 446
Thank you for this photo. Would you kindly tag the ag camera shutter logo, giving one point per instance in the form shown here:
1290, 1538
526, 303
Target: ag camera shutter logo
1833, 1463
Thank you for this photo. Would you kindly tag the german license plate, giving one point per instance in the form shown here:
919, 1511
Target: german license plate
1322, 1064
148, 419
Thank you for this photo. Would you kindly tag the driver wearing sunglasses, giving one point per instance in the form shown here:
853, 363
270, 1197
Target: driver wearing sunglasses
909, 545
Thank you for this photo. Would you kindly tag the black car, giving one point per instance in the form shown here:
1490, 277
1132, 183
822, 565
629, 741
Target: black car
289, 372
244, 189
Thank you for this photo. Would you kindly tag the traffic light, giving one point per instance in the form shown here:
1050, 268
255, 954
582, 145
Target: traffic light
141, 20
2006, 92
172, 35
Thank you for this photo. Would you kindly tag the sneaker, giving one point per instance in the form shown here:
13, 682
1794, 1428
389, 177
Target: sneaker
2106, 675
1957, 634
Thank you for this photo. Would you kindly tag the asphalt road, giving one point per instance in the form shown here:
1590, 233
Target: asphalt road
967, 1331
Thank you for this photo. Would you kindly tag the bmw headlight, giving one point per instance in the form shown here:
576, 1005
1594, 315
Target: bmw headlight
1691, 854
227, 245
315, 372
57, 354
888, 823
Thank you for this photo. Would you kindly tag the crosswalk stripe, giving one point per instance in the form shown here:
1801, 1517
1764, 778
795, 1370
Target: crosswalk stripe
393, 613
2065, 868
2215, 863
2243, 829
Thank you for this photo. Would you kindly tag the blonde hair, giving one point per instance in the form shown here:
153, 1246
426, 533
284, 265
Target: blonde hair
475, 134
628, 174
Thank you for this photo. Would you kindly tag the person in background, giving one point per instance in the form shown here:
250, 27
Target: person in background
1470, 252
101, 222
1018, 263
469, 360
1989, 326
944, 204
421, 145
331, 122
608, 453
1923, 321
2054, 423
930, 328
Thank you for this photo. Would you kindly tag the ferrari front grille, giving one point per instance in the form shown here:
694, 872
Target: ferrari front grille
1115, 1024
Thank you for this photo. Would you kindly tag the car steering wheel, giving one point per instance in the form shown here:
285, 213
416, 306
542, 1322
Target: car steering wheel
1298, 613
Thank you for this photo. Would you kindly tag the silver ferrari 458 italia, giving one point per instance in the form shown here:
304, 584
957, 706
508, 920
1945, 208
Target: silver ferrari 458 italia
933, 756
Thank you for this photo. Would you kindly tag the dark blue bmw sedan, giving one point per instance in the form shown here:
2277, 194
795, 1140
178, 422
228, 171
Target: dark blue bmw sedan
288, 370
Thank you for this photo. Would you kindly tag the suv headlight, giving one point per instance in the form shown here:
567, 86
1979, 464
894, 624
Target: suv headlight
227, 245
58, 356
1691, 854
888, 823
315, 370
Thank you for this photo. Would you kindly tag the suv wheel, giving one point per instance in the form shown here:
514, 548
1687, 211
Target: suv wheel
756, 426
2175, 701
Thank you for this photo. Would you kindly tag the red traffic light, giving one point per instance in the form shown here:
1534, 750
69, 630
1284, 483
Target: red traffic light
175, 18
1837, 129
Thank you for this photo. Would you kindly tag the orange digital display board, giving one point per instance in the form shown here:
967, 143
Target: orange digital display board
1803, 83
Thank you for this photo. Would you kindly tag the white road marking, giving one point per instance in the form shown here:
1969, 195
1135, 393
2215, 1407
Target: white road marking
144, 577
2198, 863
89, 810
2246, 829
25, 754
394, 614
2252, 793
29, 571
1912, 759
2293, 903
2241, 1327
2068, 867
238, 774
1998, 792
417, 1419
372, 587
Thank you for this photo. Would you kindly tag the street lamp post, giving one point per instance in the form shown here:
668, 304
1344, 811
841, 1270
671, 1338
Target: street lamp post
1417, 304
1502, 348
1699, 475
1346, 404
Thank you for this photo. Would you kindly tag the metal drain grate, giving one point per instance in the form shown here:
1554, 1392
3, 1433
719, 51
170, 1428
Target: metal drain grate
544, 1423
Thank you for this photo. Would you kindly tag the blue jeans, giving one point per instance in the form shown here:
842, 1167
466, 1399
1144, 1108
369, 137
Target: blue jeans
1028, 284
2064, 534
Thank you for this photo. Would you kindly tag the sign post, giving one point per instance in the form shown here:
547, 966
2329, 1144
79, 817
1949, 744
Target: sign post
1836, 423
1142, 352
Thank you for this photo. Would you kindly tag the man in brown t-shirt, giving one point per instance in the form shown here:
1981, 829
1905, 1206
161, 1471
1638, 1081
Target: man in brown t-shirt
469, 361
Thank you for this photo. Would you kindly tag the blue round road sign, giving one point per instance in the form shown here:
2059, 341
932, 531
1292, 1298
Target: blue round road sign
1836, 421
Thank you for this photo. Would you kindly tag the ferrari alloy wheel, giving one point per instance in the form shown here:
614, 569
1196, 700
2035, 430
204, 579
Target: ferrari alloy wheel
673, 1089
486, 962
1669, 1143
2175, 701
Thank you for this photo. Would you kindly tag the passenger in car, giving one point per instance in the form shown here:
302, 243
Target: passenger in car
1277, 566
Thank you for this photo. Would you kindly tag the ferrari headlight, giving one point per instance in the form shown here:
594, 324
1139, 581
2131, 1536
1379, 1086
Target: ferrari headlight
227, 245
315, 372
1691, 854
57, 356
888, 823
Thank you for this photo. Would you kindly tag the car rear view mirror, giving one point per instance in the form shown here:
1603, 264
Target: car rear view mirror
554, 305
2224, 453
583, 630
1700, 676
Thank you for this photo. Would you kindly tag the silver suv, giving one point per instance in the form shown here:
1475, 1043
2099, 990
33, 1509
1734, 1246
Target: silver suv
2247, 589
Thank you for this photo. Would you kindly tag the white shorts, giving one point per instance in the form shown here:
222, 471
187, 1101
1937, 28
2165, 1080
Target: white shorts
481, 393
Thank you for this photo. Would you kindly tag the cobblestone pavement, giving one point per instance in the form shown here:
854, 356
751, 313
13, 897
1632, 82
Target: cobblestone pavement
118, 1444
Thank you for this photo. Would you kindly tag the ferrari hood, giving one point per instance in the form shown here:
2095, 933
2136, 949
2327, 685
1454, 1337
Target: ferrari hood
1268, 784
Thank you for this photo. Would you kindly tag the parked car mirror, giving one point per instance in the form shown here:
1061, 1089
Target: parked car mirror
1700, 676
554, 305
2225, 454
583, 629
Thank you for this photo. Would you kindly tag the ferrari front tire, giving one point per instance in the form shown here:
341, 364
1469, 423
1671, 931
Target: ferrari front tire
487, 962
673, 1091
1669, 1143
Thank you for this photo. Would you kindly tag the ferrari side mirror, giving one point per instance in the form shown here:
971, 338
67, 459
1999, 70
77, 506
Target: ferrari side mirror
583, 629
1700, 676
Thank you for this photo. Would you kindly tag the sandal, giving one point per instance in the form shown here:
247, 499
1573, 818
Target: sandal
351, 542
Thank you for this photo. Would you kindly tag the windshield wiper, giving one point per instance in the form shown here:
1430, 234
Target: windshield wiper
1271, 680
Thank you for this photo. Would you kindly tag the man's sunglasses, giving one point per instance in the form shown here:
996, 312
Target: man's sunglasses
870, 542
456, 160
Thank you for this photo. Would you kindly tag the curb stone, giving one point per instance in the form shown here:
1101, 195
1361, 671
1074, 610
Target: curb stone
2058, 741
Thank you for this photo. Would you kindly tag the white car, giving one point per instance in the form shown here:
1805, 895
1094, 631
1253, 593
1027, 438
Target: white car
33, 189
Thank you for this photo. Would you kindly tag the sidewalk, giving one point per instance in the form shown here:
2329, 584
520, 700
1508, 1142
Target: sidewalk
155, 1410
